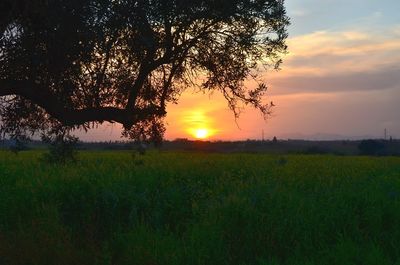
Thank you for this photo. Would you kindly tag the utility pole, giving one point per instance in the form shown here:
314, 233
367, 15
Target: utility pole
385, 134
262, 135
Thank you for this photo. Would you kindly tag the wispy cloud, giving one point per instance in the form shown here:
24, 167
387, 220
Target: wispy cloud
299, 12
343, 43
340, 61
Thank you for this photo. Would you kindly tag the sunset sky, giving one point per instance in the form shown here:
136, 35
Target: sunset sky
340, 79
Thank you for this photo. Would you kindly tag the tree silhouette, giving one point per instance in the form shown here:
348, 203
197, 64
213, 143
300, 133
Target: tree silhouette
67, 64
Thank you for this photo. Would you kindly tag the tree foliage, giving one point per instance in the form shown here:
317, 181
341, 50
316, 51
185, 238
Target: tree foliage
77, 63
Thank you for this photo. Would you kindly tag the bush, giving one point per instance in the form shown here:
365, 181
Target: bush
371, 147
62, 148
19, 145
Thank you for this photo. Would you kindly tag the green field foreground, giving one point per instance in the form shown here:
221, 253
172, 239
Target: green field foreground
193, 208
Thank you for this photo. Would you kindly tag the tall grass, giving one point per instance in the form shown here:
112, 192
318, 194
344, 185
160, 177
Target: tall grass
191, 208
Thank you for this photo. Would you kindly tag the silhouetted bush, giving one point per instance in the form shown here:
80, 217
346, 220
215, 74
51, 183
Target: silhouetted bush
371, 147
19, 145
63, 148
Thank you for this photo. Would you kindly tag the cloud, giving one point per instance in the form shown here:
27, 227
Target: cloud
325, 61
299, 13
347, 43
381, 79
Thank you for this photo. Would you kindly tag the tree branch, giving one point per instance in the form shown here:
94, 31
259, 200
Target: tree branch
73, 117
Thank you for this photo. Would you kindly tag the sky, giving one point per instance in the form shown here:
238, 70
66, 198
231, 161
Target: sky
339, 80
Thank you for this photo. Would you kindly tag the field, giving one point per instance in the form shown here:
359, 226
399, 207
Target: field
199, 208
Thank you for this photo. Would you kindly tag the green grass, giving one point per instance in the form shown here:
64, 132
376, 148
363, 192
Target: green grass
191, 208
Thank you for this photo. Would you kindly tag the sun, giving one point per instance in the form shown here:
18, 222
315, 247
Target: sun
199, 125
201, 133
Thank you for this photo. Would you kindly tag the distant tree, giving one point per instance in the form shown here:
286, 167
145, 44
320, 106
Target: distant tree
68, 64
274, 140
371, 147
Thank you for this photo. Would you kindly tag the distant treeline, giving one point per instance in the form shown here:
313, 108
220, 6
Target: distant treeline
376, 147
362, 147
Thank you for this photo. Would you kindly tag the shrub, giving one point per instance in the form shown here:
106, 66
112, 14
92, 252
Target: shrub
371, 147
62, 148
19, 145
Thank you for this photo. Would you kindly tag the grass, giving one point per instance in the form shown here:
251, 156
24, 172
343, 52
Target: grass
193, 208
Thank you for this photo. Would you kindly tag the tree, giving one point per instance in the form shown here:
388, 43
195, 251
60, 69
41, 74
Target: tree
371, 147
68, 64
